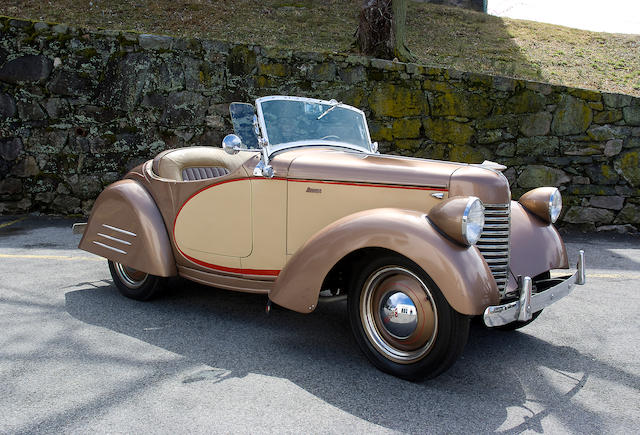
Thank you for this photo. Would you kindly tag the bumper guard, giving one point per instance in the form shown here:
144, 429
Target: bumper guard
528, 303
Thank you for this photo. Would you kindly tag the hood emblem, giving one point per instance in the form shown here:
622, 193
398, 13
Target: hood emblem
312, 190
438, 195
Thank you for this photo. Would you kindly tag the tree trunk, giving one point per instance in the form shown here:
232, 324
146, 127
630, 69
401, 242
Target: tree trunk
381, 30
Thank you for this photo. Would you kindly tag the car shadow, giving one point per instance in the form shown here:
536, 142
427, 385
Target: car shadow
230, 332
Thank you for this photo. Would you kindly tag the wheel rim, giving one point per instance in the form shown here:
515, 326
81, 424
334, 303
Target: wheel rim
130, 277
398, 314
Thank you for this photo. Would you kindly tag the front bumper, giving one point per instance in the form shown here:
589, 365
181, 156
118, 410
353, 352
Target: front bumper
528, 303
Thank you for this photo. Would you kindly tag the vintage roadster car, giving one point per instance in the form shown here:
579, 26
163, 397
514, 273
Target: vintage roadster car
300, 206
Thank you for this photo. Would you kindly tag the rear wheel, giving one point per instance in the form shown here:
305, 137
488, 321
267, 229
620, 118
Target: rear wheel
401, 320
133, 283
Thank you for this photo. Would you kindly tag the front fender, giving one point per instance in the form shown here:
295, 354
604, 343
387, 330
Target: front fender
535, 246
126, 226
460, 272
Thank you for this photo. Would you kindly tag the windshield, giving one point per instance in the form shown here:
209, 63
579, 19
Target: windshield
293, 121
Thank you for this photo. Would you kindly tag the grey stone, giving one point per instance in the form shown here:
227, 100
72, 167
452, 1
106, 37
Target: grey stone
510, 175
628, 165
582, 148
10, 148
323, 72
538, 146
184, 108
44, 197
613, 147
155, 42
10, 186
7, 106
30, 111
526, 101
214, 121
539, 175
631, 115
461, 103
583, 215
630, 214
63, 189
124, 81
608, 202
621, 229
489, 136
27, 167
580, 180
608, 116
60, 28
572, 116
40, 26
351, 75
601, 132
86, 186
602, 174
69, 83
506, 149
56, 107
636, 132
632, 142
616, 100
536, 124
30, 68
504, 84
66, 204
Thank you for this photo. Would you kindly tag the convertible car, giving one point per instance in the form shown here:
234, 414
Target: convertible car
299, 205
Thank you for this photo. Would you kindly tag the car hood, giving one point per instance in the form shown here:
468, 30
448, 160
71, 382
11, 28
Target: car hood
460, 179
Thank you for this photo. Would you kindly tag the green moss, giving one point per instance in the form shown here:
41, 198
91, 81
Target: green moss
273, 69
448, 131
406, 128
88, 53
388, 99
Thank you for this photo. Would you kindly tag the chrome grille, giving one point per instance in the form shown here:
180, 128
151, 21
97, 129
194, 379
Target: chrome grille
494, 242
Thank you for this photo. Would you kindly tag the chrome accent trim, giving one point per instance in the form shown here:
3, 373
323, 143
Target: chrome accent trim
119, 251
120, 230
78, 228
582, 278
494, 242
115, 239
438, 195
465, 219
528, 304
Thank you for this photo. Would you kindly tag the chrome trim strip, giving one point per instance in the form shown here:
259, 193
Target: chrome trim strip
119, 251
527, 304
120, 230
78, 228
115, 239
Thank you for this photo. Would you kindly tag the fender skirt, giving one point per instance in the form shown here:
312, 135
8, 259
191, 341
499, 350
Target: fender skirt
459, 271
126, 226
535, 247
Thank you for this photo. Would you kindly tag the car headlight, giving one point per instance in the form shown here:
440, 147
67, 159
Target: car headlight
461, 218
544, 202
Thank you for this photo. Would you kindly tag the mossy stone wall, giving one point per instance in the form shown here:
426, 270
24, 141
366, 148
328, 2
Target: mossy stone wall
78, 108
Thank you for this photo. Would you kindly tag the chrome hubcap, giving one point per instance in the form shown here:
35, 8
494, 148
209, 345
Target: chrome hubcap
129, 276
398, 314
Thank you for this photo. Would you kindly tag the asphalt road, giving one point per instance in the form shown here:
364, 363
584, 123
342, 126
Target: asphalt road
75, 356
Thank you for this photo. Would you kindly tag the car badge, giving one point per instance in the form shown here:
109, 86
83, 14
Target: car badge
438, 195
312, 190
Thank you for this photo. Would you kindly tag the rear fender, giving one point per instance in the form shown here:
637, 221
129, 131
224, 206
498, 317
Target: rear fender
459, 271
126, 226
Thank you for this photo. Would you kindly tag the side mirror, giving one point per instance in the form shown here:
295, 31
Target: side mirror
374, 147
231, 144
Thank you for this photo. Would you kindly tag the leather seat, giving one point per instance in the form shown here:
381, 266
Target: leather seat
197, 163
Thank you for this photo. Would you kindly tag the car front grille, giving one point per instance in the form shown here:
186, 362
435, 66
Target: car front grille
494, 242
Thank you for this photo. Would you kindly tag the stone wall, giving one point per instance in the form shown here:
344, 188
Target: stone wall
78, 108
476, 5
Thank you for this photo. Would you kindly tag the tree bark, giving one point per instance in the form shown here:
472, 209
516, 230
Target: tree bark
382, 28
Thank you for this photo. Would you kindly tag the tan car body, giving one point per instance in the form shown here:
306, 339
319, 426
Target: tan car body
283, 235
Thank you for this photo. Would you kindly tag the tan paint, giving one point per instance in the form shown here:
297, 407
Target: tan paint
234, 283
314, 205
537, 201
447, 215
460, 272
269, 224
536, 246
126, 219
214, 226
490, 186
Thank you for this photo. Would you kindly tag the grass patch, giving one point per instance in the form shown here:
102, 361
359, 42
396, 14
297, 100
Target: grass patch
437, 35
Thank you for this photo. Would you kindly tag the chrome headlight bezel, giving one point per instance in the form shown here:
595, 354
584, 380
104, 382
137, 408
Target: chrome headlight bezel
472, 221
555, 206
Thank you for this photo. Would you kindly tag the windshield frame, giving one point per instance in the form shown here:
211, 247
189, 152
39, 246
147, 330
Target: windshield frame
271, 149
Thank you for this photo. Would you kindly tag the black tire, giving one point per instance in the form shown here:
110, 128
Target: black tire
133, 283
391, 341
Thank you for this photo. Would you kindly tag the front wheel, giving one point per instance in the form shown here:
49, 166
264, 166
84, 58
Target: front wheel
401, 320
133, 283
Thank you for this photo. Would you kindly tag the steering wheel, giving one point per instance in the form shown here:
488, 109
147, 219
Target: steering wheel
330, 136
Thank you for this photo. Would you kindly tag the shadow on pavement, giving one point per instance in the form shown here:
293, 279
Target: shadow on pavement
231, 333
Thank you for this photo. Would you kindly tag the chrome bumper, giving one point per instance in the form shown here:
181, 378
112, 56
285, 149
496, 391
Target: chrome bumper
528, 303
